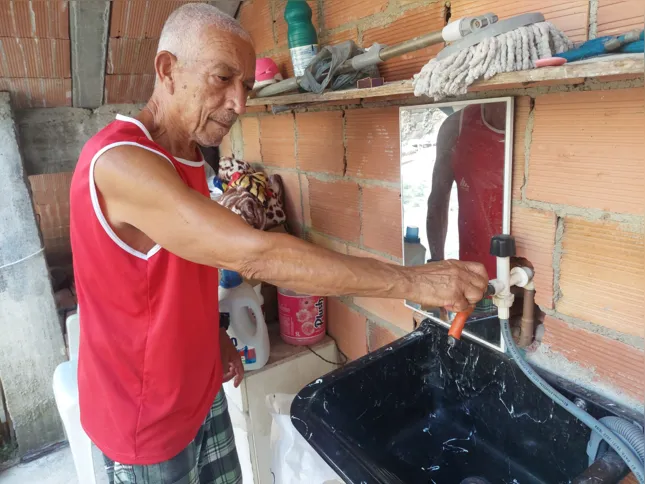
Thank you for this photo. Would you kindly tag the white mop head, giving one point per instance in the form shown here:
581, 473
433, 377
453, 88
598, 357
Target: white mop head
516, 50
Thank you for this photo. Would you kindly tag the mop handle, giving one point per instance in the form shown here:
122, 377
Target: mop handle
368, 58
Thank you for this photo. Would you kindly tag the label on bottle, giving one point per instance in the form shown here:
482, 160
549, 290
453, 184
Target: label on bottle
301, 56
247, 353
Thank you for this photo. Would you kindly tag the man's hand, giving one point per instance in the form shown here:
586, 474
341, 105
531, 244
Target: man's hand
450, 284
231, 359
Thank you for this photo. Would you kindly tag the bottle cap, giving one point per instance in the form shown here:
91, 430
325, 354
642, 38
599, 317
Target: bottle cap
230, 279
412, 235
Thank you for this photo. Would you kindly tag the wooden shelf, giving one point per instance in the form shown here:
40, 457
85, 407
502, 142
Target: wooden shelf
602, 68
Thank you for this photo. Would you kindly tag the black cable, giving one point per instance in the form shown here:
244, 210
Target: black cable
345, 358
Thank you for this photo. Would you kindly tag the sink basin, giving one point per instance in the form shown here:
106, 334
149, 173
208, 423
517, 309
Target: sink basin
419, 412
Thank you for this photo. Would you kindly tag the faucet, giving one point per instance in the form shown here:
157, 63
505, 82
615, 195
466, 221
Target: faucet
503, 248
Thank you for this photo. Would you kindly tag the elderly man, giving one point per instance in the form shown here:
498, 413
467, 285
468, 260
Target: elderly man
147, 240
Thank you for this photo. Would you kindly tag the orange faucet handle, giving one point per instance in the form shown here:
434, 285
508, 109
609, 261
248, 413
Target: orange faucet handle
457, 325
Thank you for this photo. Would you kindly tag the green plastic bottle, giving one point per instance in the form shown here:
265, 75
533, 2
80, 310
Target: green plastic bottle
303, 41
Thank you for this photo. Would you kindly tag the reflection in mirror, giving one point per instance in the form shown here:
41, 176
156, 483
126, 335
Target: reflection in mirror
455, 186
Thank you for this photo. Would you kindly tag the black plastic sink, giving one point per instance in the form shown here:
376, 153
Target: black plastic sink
419, 412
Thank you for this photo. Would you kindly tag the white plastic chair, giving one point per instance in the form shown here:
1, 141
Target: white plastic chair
66, 394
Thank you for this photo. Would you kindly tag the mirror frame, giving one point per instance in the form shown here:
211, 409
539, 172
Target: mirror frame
506, 209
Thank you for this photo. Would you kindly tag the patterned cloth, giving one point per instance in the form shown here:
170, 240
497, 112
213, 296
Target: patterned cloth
256, 197
210, 459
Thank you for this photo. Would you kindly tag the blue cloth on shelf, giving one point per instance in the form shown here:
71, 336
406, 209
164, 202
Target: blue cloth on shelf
596, 47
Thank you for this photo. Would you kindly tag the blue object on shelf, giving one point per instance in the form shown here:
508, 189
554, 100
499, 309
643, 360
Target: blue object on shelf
625, 44
633, 48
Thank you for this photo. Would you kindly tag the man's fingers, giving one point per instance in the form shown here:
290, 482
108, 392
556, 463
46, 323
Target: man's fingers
480, 276
228, 376
460, 304
239, 373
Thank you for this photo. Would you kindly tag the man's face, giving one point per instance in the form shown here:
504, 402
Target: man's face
210, 90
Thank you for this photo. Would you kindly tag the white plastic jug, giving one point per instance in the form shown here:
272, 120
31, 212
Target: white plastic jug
249, 335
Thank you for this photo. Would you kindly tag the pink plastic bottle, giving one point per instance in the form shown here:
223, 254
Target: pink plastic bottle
302, 318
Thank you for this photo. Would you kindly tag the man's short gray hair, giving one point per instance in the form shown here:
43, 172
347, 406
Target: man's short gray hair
184, 26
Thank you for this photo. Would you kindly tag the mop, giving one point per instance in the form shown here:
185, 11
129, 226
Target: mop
458, 65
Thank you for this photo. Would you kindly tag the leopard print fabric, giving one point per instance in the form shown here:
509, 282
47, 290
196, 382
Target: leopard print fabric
275, 209
241, 202
241, 196
228, 166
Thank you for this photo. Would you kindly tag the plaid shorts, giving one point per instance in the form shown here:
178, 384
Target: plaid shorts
210, 459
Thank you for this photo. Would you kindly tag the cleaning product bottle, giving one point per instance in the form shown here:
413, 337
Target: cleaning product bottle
249, 335
414, 254
303, 41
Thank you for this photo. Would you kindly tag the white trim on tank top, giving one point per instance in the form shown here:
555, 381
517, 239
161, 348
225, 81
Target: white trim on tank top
461, 121
97, 206
128, 119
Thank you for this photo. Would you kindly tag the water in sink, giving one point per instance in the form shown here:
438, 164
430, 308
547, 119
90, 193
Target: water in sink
449, 453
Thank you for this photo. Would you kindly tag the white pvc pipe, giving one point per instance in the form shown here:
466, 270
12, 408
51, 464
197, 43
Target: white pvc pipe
504, 275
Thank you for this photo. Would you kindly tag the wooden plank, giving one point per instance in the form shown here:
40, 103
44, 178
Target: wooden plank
391, 88
574, 73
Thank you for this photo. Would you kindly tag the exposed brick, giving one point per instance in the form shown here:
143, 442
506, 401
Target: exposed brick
278, 140
334, 208
571, 16
373, 145
283, 61
412, 23
348, 328
603, 275
391, 310
522, 110
251, 139
140, 19
128, 89
35, 58
341, 36
38, 93
50, 194
613, 362
320, 141
378, 336
131, 56
619, 16
255, 109
293, 207
326, 242
281, 29
44, 20
382, 220
339, 12
255, 17
534, 232
580, 157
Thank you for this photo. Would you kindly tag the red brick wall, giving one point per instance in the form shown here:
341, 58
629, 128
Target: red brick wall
50, 195
578, 189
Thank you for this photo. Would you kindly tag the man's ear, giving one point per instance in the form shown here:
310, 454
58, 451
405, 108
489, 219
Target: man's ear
165, 63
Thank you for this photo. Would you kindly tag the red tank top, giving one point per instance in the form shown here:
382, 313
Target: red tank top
149, 365
478, 167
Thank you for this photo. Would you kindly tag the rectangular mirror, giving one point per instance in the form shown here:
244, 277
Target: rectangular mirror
456, 162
